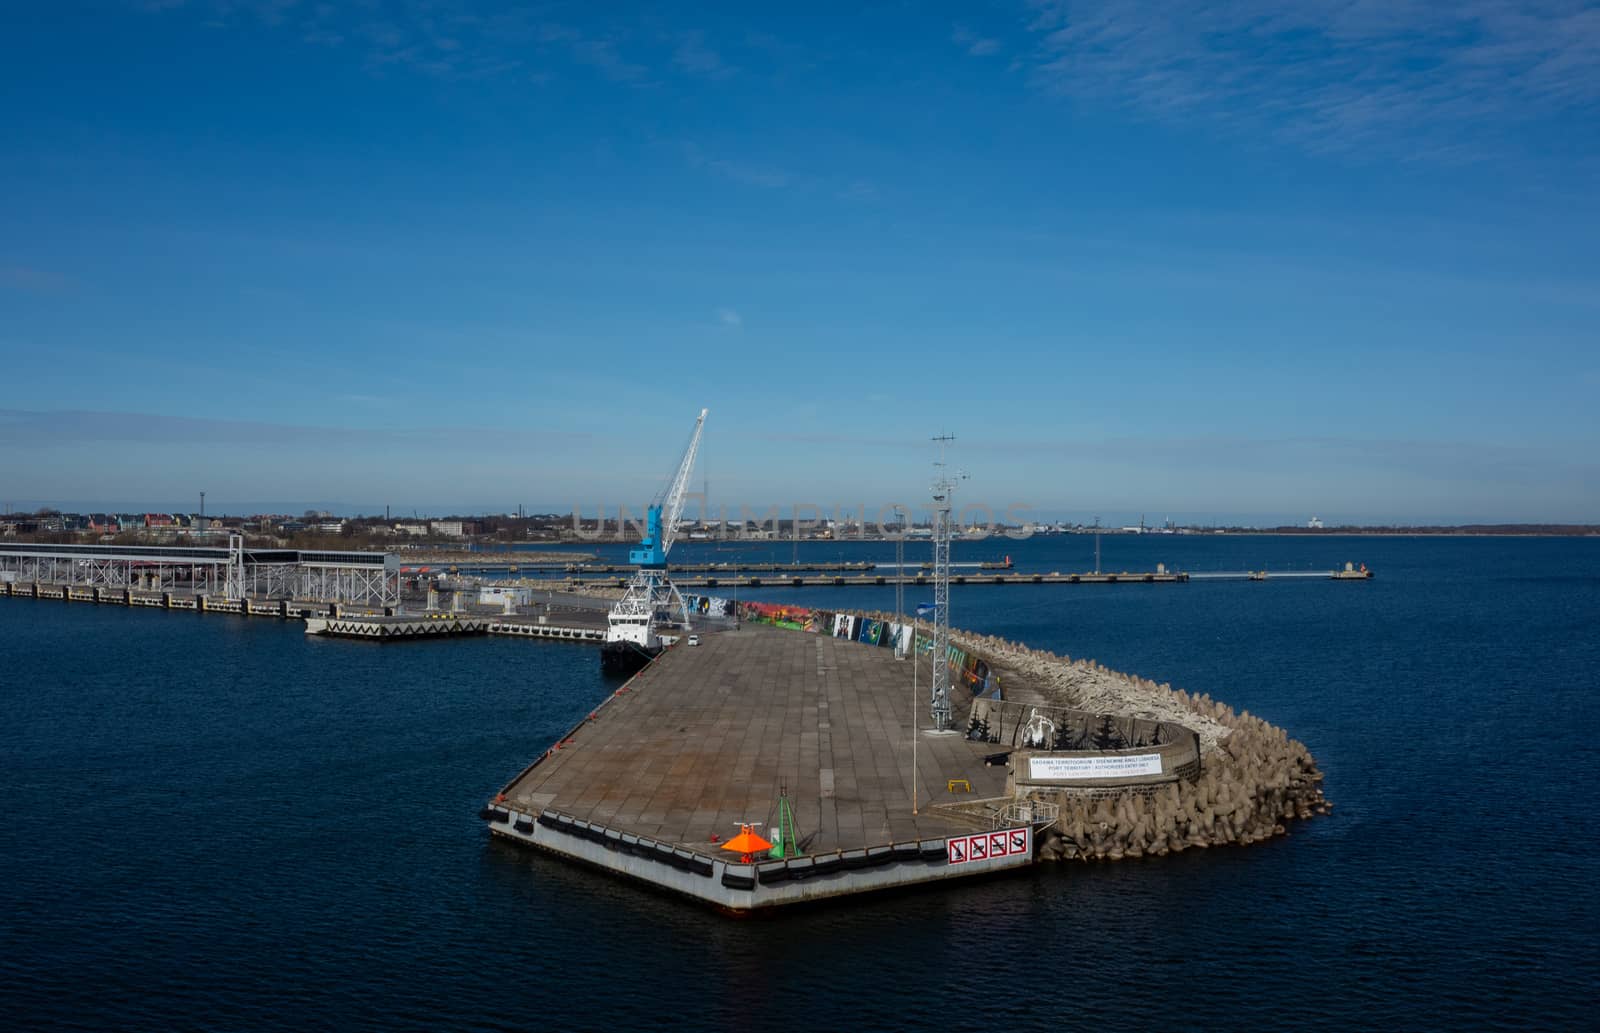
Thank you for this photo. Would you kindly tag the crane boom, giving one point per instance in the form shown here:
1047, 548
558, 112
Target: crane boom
680, 485
661, 518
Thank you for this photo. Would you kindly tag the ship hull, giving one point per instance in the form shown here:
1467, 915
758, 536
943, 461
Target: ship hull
622, 659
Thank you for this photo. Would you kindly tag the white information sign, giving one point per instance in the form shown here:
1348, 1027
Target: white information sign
1105, 766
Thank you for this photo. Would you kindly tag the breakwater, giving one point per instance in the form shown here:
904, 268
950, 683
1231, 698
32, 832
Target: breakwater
1252, 777
1116, 761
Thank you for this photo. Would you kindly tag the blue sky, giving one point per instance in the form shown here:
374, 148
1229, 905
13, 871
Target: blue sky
1250, 261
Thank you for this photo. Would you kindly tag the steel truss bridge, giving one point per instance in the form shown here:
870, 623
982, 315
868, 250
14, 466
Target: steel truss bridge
235, 572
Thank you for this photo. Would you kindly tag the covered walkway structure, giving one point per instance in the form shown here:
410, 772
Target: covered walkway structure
234, 572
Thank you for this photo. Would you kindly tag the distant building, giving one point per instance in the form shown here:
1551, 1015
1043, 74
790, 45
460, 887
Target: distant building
414, 530
499, 594
449, 528
1315, 523
331, 527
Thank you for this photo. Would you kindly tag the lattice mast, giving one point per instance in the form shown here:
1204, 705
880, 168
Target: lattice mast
234, 584
943, 490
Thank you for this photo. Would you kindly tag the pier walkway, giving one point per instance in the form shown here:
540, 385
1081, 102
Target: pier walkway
358, 578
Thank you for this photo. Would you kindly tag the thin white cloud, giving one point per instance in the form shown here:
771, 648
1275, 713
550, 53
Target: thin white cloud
729, 317
38, 428
445, 39
772, 177
693, 54
27, 278
1417, 79
748, 173
603, 57
859, 190
977, 46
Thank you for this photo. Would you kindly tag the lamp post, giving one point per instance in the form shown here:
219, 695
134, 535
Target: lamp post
915, 702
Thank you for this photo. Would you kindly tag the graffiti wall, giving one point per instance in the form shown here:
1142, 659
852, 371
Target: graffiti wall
708, 605
967, 671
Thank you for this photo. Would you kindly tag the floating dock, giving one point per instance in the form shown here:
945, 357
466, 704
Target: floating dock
388, 628
337, 620
653, 781
200, 602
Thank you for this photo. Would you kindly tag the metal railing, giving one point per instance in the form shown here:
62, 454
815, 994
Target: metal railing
1026, 812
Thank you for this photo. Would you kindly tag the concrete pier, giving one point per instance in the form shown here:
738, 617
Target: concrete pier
730, 580
707, 736
1071, 761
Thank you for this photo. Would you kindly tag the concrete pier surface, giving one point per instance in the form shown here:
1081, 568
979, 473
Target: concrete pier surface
707, 736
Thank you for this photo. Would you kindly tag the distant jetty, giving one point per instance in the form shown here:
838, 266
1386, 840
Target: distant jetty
500, 558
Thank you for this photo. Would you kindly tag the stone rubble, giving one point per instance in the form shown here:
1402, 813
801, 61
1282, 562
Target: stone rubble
1254, 778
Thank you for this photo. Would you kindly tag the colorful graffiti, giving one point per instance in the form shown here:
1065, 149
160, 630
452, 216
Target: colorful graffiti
796, 618
966, 669
708, 605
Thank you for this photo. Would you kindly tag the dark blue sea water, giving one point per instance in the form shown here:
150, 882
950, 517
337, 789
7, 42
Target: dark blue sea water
209, 822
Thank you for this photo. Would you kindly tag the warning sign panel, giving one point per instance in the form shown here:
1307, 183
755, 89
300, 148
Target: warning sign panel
989, 846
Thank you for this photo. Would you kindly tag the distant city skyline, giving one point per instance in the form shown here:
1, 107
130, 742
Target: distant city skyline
753, 512
1246, 262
